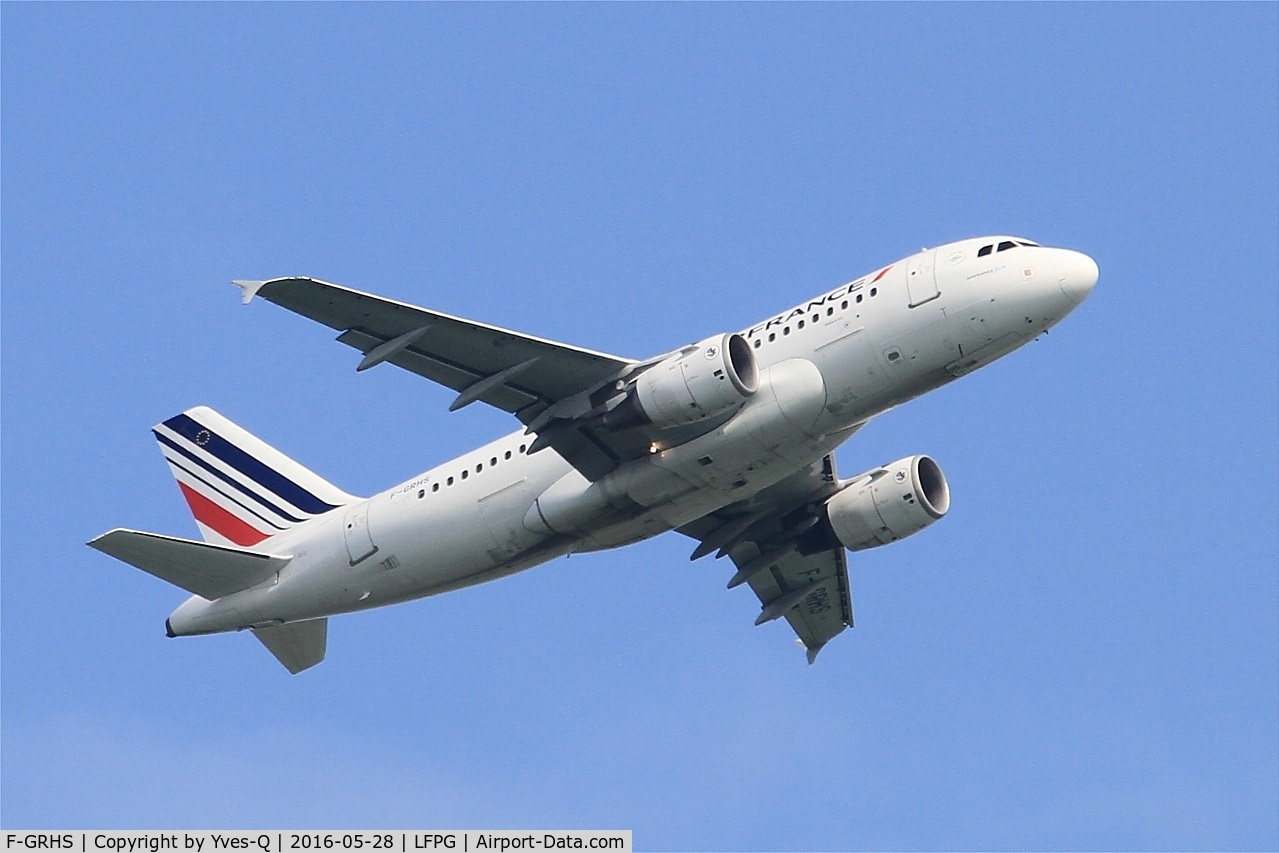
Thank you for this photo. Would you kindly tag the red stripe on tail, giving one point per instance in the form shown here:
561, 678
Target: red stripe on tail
216, 518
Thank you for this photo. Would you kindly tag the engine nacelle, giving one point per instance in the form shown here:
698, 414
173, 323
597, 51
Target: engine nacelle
889, 503
696, 383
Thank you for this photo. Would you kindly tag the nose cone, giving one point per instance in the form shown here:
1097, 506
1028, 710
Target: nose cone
1077, 274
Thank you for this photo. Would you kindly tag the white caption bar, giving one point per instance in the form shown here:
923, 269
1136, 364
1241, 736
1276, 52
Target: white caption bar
276, 841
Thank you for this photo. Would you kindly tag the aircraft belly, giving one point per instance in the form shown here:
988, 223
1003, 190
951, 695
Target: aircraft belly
441, 545
755, 473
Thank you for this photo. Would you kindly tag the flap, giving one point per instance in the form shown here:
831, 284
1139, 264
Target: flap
452, 351
764, 536
825, 606
518, 373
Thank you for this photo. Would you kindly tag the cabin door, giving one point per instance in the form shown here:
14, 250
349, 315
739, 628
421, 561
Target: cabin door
355, 529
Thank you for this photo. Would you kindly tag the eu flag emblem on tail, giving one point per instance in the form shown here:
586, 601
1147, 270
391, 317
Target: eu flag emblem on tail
241, 490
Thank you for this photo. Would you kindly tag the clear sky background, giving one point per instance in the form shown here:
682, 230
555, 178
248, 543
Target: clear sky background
1081, 655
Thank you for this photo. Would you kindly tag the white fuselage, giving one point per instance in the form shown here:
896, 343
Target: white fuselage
827, 366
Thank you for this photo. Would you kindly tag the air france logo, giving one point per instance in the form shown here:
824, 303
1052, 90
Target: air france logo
900, 476
711, 352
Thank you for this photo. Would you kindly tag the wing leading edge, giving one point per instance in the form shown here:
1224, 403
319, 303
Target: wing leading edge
549, 386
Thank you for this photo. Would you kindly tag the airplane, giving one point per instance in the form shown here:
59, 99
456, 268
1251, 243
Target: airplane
728, 441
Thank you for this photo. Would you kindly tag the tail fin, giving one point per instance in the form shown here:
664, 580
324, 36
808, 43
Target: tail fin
240, 490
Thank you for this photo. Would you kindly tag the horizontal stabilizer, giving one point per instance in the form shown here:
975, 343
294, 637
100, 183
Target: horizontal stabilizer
299, 646
209, 571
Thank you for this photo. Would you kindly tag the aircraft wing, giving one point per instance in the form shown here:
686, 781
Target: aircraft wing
547, 385
772, 543
819, 581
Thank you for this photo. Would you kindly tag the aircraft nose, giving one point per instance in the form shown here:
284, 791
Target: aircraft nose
1077, 274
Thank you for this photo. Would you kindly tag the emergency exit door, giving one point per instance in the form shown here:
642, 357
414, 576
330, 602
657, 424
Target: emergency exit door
355, 528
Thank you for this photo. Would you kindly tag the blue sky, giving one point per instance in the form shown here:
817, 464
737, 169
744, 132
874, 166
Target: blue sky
1083, 655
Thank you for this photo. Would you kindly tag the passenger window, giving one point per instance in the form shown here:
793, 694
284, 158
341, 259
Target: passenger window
772, 336
984, 251
874, 291
465, 474
757, 342
831, 310
859, 298
1007, 244
844, 305
507, 455
450, 481
801, 324
435, 487
785, 330
493, 461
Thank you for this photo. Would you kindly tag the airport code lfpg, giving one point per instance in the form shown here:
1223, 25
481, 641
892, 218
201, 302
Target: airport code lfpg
276, 841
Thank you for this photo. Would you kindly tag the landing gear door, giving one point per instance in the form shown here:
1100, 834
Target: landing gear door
355, 529
921, 280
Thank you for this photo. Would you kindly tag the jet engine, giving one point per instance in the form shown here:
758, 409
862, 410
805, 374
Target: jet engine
694, 384
889, 503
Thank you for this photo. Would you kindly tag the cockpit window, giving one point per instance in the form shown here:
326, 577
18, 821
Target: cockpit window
1007, 244
984, 251
1027, 243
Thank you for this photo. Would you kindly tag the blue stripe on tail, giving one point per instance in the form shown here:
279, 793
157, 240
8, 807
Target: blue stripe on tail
264, 476
213, 486
240, 487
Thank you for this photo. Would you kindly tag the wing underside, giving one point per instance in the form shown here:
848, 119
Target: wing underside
818, 585
771, 543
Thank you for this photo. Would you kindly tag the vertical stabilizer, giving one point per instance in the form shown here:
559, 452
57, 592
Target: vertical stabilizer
240, 489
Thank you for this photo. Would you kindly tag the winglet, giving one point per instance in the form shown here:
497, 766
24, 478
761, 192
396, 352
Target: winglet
810, 651
250, 289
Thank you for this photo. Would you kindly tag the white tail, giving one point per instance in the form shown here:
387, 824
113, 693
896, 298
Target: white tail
240, 489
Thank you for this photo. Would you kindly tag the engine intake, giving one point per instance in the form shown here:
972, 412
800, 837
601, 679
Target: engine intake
696, 383
889, 503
